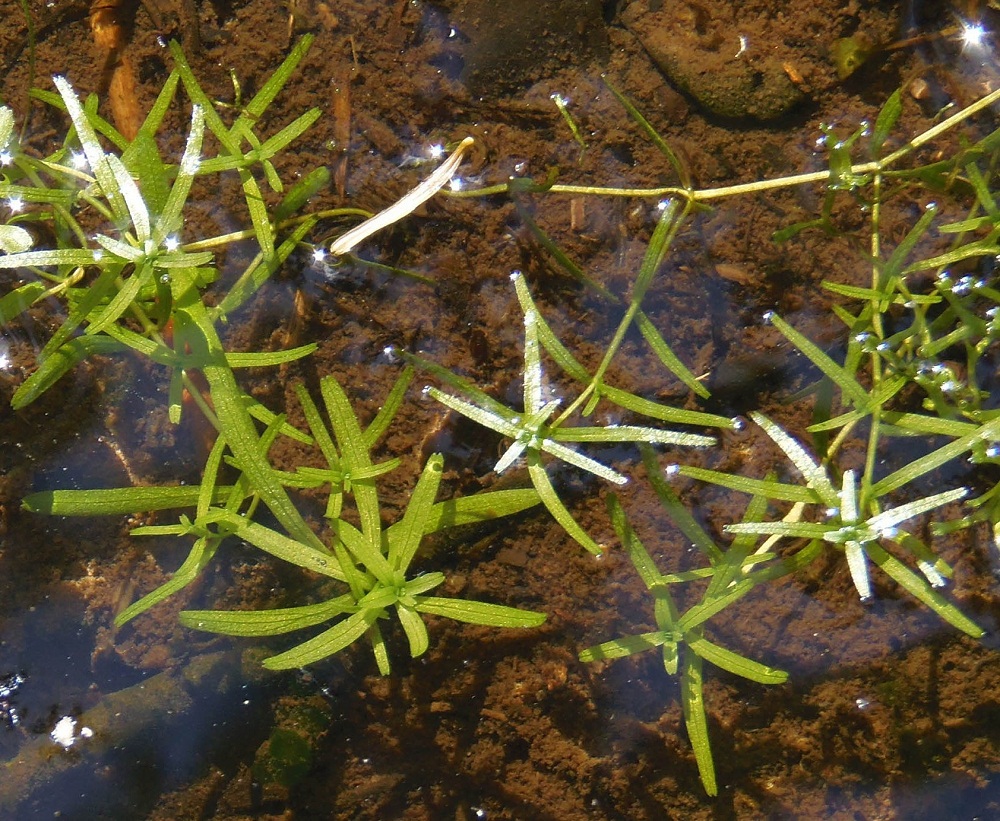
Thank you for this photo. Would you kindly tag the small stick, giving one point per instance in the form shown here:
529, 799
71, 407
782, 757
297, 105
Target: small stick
341, 127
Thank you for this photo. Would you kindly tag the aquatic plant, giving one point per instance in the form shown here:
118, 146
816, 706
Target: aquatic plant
135, 285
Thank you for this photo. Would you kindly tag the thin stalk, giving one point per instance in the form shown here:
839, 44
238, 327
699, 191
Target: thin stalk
663, 237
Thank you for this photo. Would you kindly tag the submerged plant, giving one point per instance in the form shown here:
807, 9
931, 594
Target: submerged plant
134, 284
534, 432
681, 637
371, 561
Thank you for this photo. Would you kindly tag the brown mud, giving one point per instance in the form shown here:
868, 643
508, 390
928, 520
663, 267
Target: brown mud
888, 714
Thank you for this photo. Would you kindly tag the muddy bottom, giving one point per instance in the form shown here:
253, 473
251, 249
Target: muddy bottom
889, 713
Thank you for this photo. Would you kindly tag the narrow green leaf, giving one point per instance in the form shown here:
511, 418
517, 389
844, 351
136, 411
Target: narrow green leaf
91, 145
123, 300
117, 501
415, 629
897, 515
677, 512
814, 474
540, 479
791, 530
986, 433
404, 540
19, 300
274, 145
641, 560
480, 507
170, 220
201, 554
265, 622
696, 722
710, 606
625, 646
887, 118
285, 548
193, 323
745, 484
840, 377
735, 663
134, 202
476, 612
581, 461
921, 590
666, 355
58, 363
275, 83
299, 194
393, 402
665, 413
356, 457
327, 643
264, 359
58, 256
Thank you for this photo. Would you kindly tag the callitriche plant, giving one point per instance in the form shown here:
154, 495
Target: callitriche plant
134, 284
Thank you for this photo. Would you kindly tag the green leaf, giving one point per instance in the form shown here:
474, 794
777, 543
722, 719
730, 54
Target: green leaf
665, 413
404, 540
547, 493
986, 433
625, 646
857, 395
285, 548
356, 457
919, 588
58, 256
476, 612
19, 300
814, 474
735, 663
58, 363
677, 512
6, 126
393, 402
265, 622
669, 359
745, 484
480, 507
117, 501
264, 359
192, 322
415, 629
886, 121
696, 722
641, 560
170, 220
134, 202
331, 641
96, 158
201, 554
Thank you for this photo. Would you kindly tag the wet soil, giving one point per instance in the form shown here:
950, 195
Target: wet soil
888, 713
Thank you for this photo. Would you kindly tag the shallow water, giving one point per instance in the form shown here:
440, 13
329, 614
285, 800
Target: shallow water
889, 713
